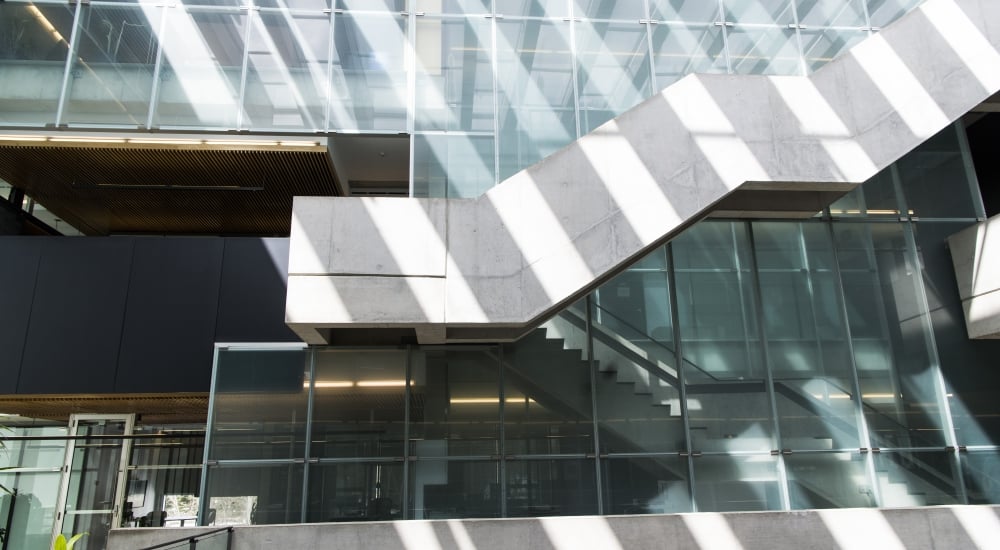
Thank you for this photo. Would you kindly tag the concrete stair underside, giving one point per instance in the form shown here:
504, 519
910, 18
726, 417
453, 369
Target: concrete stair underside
490, 268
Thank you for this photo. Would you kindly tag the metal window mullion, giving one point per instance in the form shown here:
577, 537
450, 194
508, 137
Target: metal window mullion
411, 90
593, 406
154, 94
769, 379
859, 409
251, 10
331, 49
970, 170
495, 68
653, 87
407, 375
574, 69
70, 61
502, 447
811, 286
721, 19
675, 319
940, 389
307, 450
798, 39
203, 501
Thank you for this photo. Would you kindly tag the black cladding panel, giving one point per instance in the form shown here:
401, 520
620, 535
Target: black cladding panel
19, 258
168, 338
252, 299
76, 319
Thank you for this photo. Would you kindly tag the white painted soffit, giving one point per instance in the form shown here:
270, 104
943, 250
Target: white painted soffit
481, 269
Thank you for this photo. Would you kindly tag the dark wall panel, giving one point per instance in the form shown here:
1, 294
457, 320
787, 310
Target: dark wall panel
76, 319
19, 256
173, 295
252, 300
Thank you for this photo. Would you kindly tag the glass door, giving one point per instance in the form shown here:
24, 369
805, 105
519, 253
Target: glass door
93, 478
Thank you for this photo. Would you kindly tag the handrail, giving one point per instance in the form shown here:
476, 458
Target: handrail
192, 538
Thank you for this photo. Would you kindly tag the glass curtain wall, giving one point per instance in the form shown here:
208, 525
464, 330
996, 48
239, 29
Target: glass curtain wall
747, 365
484, 88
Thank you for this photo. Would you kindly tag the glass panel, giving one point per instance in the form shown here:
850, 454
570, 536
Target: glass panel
367, 491
884, 12
34, 42
831, 13
981, 471
113, 71
452, 165
454, 89
646, 485
609, 9
369, 78
551, 488
261, 398
768, 12
547, 402
916, 478
90, 498
613, 66
535, 8
202, 61
453, 6
358, 408
255, 495
828, 480
935, 180
454, 403
876, 198
821, 46
287, 71
33, 454
891, 344
442, 489
34, 508
680, 50
162, 497
688, 11
535, 92
372, 5
736, 483
807, 339
763, 50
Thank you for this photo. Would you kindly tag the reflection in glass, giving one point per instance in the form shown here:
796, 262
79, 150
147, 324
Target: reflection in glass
113, 70
916, 478
609, 9
287, 78
821, 46
981, 471
551, 488
736, 483
34, 42
764, 12
358, 408
828, 480
356, 491
454, 403
255, 494
679, 50
443, 489
884, 12
454, 82
830, 13
369, 79
202, 62
613, 67
261, 398
646, 485
535, 92
547, 402
763, 50
452, 165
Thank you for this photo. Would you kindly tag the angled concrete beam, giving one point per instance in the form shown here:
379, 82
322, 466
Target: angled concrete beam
488, 268
975, 254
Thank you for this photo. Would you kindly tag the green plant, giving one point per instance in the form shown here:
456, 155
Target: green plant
61, 544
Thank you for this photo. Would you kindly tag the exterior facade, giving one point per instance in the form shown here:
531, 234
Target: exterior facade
796, 342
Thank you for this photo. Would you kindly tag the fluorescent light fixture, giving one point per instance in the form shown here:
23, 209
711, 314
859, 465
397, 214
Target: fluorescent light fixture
331, 384
487, 400
240, 142
167, 141
380, 383
87, 139
298, 143
23, 138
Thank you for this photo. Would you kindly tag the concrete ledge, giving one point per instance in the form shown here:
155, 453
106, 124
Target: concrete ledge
931, 528
974, 253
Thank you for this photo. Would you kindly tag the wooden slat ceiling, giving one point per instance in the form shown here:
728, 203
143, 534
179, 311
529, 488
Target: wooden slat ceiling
174, 408
121, 188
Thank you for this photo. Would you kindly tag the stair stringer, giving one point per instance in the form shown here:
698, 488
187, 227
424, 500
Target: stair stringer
488, 269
